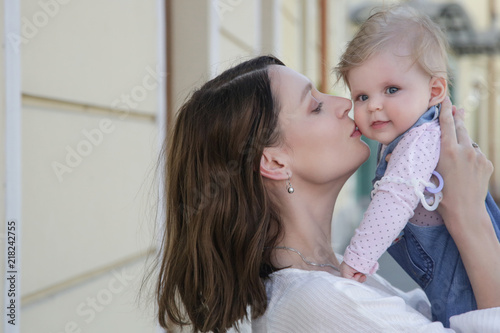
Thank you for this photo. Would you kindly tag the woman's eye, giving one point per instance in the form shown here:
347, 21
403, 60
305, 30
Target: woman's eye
362, 98
392, 90
318, 109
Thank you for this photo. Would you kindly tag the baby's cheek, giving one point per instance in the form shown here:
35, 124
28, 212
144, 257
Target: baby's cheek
359, 119
356, 114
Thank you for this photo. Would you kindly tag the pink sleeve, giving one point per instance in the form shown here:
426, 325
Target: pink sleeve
393, 203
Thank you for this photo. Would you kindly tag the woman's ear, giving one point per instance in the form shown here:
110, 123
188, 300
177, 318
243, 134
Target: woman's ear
438, 88
272, 164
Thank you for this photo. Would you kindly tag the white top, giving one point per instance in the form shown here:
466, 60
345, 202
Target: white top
317, 301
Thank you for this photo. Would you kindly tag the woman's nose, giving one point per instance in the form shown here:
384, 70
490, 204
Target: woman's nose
344, 105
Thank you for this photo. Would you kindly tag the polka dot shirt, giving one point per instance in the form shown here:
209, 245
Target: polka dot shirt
394, 203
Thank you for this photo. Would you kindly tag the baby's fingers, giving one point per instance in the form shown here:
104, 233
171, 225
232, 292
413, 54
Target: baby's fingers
360, 277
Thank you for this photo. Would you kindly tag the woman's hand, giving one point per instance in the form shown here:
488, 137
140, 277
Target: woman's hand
466, 172
465, 169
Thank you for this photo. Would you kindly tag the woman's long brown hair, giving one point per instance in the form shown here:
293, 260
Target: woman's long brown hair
220, 222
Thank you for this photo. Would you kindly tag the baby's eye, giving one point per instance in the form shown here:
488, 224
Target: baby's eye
391, 90
362, 98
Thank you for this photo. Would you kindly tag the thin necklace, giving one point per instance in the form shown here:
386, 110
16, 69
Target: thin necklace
304, 259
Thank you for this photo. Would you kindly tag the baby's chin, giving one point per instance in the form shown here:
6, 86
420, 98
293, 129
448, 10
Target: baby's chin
383, 140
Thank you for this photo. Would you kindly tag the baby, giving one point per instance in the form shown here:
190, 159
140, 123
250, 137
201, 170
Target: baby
396, 71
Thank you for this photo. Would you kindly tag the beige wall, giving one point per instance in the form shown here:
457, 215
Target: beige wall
89, 146
239, 31
189, 47
89, 52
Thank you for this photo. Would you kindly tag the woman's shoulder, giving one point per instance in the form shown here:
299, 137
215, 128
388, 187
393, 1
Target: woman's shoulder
292, 277
299, 300
326, 290
289, 285
284, 281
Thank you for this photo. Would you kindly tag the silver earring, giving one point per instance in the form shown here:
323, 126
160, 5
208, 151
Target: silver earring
289, 187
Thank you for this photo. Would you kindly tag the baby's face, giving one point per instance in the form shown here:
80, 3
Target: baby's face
390, 93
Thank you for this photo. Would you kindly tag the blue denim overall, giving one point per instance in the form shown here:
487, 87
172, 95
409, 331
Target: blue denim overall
429, 254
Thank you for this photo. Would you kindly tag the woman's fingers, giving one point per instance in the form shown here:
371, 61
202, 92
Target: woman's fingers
465, 169
462, 134
448, 131
454, 134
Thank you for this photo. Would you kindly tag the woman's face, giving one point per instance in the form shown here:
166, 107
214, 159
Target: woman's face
322, 142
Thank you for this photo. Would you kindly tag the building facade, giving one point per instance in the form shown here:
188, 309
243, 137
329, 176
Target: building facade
100, 84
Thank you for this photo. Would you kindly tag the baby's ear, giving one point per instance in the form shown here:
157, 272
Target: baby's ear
438, 88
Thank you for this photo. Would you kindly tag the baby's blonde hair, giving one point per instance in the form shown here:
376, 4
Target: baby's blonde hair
397, 25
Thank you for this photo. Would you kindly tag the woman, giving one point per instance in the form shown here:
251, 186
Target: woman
255, 163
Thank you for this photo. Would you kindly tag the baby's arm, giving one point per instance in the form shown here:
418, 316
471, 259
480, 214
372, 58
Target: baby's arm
393, 202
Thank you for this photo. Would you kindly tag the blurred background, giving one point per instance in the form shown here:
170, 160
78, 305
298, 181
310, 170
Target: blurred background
96, 85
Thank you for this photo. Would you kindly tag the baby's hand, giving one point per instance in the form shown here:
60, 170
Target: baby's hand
350, 273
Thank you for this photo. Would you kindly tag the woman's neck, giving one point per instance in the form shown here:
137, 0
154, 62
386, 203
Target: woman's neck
307, 221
